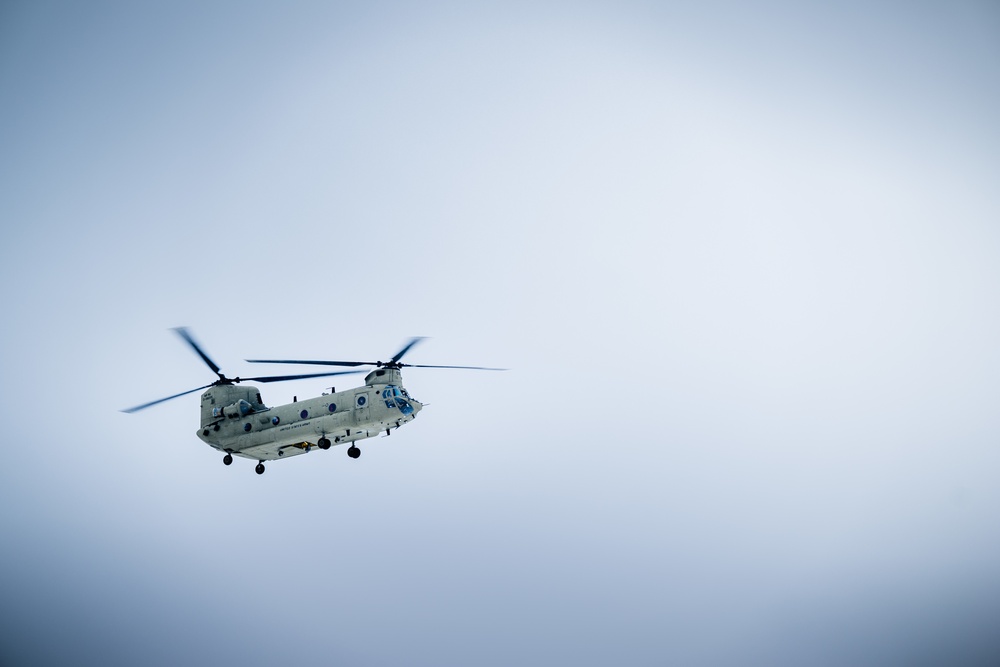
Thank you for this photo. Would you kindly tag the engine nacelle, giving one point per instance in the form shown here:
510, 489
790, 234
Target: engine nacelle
240, 408
229, 401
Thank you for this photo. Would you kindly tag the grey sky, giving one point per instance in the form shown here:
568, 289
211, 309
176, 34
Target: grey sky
742, 260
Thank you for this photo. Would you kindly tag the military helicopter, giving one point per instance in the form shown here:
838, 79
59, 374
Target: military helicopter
235, 420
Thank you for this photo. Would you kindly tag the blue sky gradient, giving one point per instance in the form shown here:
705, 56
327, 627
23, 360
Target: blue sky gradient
741, 259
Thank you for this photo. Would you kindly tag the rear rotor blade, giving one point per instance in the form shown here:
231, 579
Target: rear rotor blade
392, 363
313, 363
282, 378
161, 400
183, 333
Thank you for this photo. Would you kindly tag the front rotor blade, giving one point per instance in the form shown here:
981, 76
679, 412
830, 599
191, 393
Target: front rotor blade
312, 363
161, 400
282, 378
471, 368
183, 333
399, 355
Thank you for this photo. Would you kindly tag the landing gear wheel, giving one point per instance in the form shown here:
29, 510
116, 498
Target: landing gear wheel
324, 443
353, 452
227, 459
259, 469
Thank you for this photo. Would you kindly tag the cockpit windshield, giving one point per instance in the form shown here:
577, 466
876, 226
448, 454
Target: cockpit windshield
395, 397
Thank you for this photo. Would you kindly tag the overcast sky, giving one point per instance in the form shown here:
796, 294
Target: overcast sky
742, 260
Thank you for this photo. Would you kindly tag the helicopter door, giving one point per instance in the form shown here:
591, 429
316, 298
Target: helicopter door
361, 410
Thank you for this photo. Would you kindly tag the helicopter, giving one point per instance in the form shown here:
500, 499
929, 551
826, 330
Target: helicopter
235, 420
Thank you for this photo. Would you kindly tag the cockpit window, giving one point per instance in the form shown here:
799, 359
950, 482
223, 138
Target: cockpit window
392, 395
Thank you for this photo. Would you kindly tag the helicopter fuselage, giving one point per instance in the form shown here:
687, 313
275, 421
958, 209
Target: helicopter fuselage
235, 420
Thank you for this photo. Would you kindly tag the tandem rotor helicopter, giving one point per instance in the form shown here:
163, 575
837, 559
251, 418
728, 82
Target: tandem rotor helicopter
235, 420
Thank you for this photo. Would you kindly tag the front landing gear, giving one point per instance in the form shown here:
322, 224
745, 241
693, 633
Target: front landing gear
353, 452
260, 468
227, 459
324, 443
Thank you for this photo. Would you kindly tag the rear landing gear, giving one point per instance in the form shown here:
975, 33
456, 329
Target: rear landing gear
324, 443
353, 452
260, 468
227, 459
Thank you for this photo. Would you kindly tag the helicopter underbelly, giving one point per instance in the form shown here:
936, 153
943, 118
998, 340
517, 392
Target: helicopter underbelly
301, 437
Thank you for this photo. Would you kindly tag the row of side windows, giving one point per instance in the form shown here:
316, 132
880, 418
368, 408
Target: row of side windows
332, 407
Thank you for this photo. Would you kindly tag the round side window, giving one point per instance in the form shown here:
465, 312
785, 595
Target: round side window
332, 407
247, 427
304, 414
361, 401
275, 420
